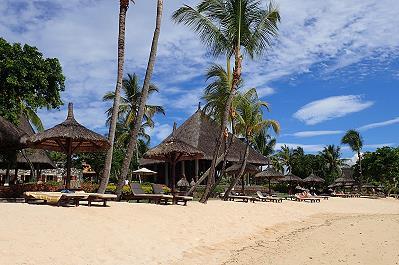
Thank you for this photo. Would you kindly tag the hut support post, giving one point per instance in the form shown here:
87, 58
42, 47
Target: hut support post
166, 174
183, 168
196, 169
173, 175
69, 164
270, 191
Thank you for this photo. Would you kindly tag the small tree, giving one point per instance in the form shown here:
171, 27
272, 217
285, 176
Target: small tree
355, 142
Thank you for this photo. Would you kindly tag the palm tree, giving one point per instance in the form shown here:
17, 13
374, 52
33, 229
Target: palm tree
264, 143
331, 155
226, 27
143, 98
249, 122
123, 7
286, 156
355, 142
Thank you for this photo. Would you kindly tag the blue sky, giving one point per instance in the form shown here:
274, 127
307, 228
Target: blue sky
334, 67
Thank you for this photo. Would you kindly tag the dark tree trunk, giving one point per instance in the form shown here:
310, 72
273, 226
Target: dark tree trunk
236, 79
124, 5
143, 100
239, 175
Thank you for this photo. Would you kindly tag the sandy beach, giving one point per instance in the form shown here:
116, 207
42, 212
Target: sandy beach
337, 231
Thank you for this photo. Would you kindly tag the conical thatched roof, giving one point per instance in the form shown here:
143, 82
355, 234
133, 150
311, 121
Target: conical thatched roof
235, 168
344, 180
11, 137
200, 132
56, 138
313, 178
291, 178
270, 173
173, 149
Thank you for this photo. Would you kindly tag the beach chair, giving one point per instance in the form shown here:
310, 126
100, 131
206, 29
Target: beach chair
233, 196
57, 198
304, 198
138, 194
97, 197
157, 189
263, 198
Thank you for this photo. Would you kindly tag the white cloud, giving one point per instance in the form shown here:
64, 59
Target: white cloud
312, 148
330, 108
304, 134
375, 146
160, 131
379, 124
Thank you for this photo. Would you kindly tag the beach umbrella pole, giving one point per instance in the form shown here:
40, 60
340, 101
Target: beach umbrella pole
69, 164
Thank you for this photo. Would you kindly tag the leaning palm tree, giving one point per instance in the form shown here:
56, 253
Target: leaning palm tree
355, 142
143, 99
227, 27
123, 7
249, 122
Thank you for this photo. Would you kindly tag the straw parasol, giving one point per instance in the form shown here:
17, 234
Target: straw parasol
144, 172
11, 137
290, 179
270, 174
173, 150
312, 178
69, 137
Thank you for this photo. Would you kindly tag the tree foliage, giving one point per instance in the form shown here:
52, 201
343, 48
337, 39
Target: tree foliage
28, 81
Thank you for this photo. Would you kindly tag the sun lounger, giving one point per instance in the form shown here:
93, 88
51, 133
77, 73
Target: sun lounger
97, 197
267, 198
301, 198
138, 194
57, 198
157, 189
233, 197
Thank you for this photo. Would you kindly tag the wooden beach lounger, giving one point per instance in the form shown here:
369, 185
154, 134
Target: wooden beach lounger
301, 198
233, 197
97, 197
57, 198
138, 194
267, 198
157, 189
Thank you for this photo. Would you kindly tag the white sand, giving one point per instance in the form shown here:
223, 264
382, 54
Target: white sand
216, 233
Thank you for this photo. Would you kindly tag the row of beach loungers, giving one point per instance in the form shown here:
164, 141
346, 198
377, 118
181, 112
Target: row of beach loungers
303, 197
75, 198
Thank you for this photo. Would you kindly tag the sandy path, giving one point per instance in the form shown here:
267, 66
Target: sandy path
130, 233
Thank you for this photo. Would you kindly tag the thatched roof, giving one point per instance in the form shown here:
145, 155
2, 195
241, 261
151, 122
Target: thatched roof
235, 168
270, 173
56, 138
291, 178
173, 149
313, 178
11, 137
37, 157
202, 133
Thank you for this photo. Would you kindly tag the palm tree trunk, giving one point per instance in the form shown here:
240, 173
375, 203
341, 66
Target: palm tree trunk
143, 100
124, 5
236, 79
360, 168
239, 175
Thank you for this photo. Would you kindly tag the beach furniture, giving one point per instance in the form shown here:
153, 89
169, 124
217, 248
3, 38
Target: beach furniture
263, 198
57, 198
234, 196
97, 197
138, 194
306, 198
157, 189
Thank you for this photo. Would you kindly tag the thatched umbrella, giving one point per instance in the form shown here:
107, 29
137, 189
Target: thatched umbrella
344, 180
270, 174
235, 168
173, 150
11, 137
290, 179
313, 179
69, 137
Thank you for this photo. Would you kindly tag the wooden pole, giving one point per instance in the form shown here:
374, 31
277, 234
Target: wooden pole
69, 164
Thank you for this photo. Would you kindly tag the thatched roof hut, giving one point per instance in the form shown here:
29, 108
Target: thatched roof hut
38, 158
235, 168
201, 132
11, 137
291, 178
